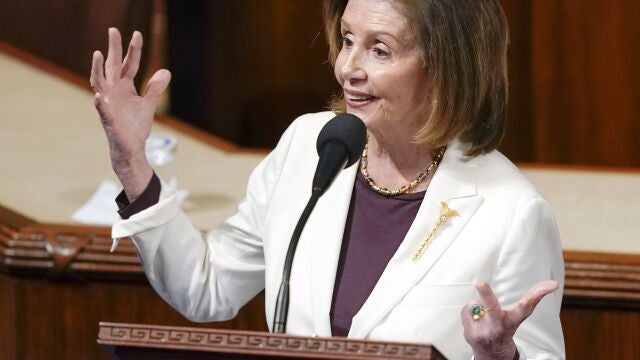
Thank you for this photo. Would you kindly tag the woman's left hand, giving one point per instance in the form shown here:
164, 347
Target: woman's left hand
491, 334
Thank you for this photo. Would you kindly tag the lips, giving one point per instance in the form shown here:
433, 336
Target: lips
357, 99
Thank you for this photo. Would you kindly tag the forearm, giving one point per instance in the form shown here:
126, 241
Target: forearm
174, 254
206, 278
178, 262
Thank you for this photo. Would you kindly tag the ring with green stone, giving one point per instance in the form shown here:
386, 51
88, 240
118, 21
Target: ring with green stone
477, 311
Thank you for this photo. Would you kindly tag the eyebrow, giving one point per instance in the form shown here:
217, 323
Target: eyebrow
373, 33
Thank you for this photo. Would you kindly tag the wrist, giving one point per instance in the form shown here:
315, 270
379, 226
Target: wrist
496, 351
134, 175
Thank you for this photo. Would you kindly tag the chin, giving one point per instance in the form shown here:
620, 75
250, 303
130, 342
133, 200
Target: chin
371, 121
365, 116
365, 119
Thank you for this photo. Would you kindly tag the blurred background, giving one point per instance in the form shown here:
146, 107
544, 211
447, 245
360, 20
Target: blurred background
244, 69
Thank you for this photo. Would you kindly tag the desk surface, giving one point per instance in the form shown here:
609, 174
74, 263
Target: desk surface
53, 156
53, 153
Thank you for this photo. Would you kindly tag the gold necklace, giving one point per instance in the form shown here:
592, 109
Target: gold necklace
386, 192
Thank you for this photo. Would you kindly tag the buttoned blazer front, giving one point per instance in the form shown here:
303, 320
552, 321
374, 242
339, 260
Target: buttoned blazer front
505, 234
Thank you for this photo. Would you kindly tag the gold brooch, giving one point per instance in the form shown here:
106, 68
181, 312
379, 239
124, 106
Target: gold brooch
445, 214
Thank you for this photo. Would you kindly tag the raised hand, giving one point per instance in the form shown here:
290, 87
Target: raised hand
126, 116
490, 334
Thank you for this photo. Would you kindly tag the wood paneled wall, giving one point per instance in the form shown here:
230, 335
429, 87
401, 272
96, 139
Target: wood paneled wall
598, 333
574, 71
66, 32
585, 81
575, 74
249, 66
244, 69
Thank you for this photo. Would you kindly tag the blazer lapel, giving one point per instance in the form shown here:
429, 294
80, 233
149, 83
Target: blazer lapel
453, 183
325, 229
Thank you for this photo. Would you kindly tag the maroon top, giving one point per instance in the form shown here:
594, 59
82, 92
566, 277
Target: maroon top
375, 227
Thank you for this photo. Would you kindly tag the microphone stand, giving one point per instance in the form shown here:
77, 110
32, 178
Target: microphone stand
341, 137
282, 302
331, 160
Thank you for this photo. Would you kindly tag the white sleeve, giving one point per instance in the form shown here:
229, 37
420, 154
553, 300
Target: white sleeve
532, 252
207, 277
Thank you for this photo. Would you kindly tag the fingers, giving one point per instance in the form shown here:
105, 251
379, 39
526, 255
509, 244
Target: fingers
131, 62
157, 84
97, 72
483, 332
486, 333
518, 312
113, 64
489, 300
98, 102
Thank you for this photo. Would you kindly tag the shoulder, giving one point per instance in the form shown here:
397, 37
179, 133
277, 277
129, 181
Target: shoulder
498, 177
505, 190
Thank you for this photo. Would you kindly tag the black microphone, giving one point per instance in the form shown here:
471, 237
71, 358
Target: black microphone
340, 144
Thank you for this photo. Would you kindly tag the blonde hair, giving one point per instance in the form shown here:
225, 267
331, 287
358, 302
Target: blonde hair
465, 54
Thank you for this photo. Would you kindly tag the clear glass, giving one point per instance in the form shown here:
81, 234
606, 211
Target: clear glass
160, 149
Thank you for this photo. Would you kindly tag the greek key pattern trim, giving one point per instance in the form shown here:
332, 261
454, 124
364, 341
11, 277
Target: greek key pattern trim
231, 341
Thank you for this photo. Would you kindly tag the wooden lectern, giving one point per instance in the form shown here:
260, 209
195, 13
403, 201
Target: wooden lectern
134, 341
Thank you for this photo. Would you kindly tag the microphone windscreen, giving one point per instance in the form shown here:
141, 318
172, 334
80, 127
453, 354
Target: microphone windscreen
347, 129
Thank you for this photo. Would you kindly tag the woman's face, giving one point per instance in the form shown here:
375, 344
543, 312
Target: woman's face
380, 67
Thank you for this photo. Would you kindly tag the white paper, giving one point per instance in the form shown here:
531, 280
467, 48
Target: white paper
101, 209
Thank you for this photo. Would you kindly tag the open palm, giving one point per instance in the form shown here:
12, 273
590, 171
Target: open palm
126, 116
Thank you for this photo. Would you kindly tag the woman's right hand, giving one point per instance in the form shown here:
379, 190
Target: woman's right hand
125, 116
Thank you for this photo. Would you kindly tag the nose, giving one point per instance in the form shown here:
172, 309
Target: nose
353, 67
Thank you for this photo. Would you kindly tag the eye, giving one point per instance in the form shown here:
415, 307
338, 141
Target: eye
381, 52
346, 42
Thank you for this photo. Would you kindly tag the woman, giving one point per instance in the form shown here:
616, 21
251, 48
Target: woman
420, 262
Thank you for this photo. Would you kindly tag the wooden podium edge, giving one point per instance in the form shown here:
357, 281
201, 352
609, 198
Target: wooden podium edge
256, 343
74, 251
602, 279
65, 251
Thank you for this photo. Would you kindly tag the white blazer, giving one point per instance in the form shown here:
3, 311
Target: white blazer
505, 235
